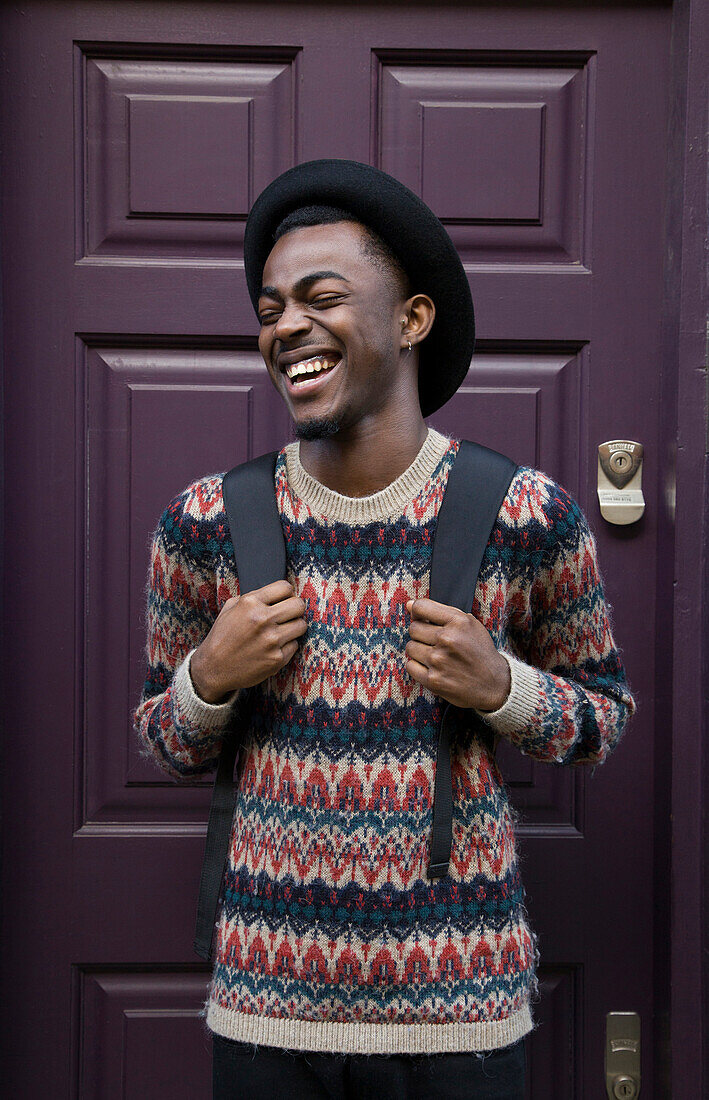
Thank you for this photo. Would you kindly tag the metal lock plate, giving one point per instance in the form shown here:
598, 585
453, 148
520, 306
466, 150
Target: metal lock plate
620, 463
622, 1055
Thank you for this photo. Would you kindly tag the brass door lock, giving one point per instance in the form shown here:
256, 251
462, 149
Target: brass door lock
620, 478
622, 1055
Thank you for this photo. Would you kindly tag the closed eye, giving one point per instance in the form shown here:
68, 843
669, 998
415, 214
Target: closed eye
320, 301
328, 300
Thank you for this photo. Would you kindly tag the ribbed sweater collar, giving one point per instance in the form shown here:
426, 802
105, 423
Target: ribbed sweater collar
387, 503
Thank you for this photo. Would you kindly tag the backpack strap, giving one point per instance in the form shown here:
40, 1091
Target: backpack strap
260, 555
477, 485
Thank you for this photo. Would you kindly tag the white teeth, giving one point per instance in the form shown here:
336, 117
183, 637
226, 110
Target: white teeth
307, 366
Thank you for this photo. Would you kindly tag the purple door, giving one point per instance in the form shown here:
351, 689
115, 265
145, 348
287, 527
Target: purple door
137, 136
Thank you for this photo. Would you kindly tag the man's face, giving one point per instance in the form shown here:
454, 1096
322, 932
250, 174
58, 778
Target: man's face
331, 329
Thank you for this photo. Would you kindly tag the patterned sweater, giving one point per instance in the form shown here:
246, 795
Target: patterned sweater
330, 935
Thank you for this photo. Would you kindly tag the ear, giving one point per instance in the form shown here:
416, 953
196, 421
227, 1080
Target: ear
420, 315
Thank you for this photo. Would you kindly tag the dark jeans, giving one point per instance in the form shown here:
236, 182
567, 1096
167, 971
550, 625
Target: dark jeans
244, 1072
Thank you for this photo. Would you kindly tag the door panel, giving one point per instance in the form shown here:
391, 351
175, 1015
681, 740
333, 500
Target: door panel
130, 345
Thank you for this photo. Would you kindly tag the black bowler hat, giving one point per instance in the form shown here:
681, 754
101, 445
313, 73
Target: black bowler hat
415, 236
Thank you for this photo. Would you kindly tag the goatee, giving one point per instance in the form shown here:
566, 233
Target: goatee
319, 428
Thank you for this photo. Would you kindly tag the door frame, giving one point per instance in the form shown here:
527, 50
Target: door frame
683, 571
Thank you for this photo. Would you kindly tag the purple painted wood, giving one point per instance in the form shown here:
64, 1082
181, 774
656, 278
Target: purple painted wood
129, 324
684, 579
149, 1013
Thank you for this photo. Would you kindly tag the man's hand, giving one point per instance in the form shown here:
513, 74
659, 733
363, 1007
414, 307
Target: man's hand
453, 655
252, 637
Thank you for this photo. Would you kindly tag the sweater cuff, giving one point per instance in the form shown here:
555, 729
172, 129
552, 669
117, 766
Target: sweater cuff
196, 711
522, 703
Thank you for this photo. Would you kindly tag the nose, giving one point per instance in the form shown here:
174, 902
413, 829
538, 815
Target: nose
293, 320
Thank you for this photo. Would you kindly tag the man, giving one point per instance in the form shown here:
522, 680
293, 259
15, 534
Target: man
333, 943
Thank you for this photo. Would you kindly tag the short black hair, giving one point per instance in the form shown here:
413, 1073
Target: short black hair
373, 246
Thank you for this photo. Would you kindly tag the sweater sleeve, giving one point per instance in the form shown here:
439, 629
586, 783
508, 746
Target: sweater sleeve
569, 700
181, 732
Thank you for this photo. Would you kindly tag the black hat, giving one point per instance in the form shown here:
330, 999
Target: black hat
415, 236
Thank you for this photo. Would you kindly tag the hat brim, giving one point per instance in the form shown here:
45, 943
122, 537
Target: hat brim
415, 236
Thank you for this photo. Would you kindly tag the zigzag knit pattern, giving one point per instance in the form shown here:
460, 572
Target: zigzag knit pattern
330, 936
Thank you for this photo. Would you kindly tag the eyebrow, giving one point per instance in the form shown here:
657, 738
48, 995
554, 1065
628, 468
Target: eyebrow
303, 284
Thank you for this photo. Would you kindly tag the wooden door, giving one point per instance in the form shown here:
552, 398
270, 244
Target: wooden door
136, 136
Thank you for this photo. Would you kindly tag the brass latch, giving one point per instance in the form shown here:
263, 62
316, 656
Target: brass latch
622, 1055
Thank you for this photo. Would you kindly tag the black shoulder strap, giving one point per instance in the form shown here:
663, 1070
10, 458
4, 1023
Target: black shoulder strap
254, 522
260, 555
477, 485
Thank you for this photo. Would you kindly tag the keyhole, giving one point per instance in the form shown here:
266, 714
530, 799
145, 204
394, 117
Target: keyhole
624, 1088
619, 461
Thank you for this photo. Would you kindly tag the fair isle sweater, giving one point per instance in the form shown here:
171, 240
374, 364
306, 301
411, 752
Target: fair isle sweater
330, 936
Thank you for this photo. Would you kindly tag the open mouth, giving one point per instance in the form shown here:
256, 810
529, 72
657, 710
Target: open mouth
307, 370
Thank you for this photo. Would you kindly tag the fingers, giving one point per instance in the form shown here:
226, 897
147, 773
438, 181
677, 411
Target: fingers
279, 596
289, 650
274, 592
293, 629
424, 632
421, 654
294, 608
418, 671
432, 612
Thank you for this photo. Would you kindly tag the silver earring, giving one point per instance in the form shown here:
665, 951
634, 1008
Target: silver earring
409, 344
